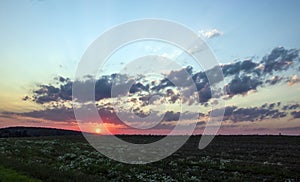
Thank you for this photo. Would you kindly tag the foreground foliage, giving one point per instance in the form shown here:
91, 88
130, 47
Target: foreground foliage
230, 158
9, 175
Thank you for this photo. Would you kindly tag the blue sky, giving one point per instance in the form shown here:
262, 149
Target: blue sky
41, 39
63, 29
56, 33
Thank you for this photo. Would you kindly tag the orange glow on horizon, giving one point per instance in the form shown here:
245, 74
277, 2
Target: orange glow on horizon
103, 128
98, 130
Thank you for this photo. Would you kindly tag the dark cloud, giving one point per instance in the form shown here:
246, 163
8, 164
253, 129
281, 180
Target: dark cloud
255, 113
179, 78
285, 107
200, 79
296, 114
174, 116
241, 85
228, 111
62, 79
264, 105
171, 116
6, 115
103, 88
205, 93
294, 106
272, 105
66, 91
50, 93
54, 114
248, 65
46, 93
291, 107
251, 114
138, 87
162, 85
274, 80
231, 69
203, 87
277, 114
238, 67
26, 98
279, 59
291, 128
278, 104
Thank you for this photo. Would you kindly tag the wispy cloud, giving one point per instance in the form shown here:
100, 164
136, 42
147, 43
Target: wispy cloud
211, 33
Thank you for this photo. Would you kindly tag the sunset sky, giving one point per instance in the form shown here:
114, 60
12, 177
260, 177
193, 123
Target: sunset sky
256, 43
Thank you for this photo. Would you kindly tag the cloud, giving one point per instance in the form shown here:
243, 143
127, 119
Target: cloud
294, 79
291, 107
251, 114
138, 87
296, 128
229, 110
49, 93
247, 66
280, 59
179, 78
174, 116
204, 93
274, 80
54, 114
241, 85
211, 33
62, 91
296, 114
240, 78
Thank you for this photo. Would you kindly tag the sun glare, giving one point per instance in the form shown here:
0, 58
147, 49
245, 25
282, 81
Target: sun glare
98, 130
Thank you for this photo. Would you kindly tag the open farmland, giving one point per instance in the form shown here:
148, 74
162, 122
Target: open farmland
229, 158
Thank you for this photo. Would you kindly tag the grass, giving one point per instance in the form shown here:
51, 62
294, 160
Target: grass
9, 175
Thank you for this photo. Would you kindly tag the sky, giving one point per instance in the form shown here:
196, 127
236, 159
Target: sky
255, 42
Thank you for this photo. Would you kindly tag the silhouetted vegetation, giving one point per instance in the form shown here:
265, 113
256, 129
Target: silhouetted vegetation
35, 132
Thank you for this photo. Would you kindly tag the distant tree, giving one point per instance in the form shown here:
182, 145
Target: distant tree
24, 133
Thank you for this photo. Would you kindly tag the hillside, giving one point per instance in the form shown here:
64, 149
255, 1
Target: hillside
35, 132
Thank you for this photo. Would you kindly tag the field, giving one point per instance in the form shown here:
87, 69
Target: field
227, 158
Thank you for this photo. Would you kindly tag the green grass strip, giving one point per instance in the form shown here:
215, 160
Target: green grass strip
9, 175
